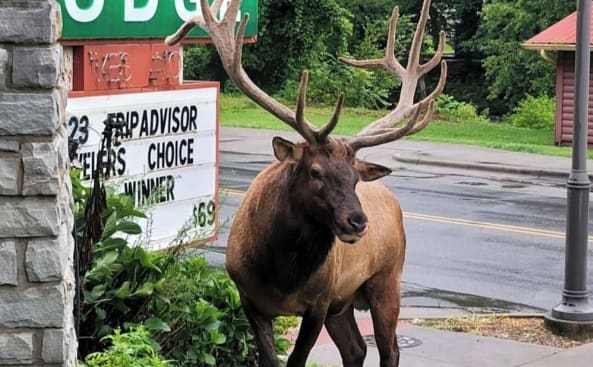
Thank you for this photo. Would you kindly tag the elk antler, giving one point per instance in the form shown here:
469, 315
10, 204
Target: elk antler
383, 130
230, 49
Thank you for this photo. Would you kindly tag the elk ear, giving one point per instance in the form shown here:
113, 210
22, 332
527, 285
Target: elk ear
286, 150
370, 171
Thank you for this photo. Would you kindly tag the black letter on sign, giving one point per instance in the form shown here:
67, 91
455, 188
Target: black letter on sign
122, 161
193, 114
190, 151
182, 156
144, 126
151, 162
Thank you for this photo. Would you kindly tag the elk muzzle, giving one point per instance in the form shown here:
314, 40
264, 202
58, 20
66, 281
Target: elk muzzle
352, 227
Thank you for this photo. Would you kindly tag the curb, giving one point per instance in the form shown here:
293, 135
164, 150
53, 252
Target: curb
509, 315
484, 167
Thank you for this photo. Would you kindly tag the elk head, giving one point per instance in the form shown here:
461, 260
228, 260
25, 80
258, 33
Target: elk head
325, 170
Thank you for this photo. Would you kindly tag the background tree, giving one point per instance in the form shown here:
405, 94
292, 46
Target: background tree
292, 35
465, 26
511, 72
488, 69
298, 34
367, 39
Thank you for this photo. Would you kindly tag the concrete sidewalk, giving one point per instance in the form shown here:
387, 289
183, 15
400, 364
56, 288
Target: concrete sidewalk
451, 349
437, 348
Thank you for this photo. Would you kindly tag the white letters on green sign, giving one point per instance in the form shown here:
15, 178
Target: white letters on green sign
185, 14
84, 15
133, 14
136, 14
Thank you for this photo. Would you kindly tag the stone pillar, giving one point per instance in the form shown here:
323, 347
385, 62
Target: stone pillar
36, 245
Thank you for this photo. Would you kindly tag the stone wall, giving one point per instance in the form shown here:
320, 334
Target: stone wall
36, 246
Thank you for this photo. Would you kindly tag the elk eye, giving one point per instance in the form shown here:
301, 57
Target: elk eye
315, 173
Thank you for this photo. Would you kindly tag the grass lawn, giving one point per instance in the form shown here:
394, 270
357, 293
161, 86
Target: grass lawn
239, 111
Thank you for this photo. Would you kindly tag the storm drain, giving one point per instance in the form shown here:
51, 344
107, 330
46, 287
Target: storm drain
402, 340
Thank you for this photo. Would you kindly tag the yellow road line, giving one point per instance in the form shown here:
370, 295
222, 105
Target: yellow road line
487, 225
466, 222
233, 191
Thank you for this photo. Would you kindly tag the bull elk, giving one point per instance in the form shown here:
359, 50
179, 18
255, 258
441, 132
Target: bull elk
316, 235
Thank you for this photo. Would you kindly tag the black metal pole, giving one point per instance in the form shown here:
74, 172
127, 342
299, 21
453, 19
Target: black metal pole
575, 304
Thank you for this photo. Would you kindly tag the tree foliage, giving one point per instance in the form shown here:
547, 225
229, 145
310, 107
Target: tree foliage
365, 36
292, 35
510, 71
492, 70
304, 34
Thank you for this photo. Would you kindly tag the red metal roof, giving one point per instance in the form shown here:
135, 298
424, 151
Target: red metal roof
560, 36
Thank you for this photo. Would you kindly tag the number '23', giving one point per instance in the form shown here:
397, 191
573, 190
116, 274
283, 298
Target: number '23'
80, 129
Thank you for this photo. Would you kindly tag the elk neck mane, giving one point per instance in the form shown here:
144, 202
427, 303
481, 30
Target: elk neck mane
293, 245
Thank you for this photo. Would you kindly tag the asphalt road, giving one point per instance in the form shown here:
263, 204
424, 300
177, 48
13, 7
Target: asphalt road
475, 239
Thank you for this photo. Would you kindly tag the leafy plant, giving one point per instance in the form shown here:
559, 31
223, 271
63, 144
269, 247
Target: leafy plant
281, 327
534, 113
448, 106
194, 311
202, 307
328, 78
134, 348
282, 324
123, 280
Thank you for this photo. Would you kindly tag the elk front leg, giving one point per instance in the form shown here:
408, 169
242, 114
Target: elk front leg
310, 328
346, 335
383, 292
264, 334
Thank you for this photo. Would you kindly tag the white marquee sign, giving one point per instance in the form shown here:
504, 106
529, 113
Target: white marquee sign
167, 161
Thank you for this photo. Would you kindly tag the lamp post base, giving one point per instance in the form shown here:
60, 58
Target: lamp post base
571, 320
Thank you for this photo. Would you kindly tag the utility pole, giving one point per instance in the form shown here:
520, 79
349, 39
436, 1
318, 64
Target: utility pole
574, 314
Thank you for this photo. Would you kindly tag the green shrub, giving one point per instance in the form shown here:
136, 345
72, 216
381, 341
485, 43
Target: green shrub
123, 280
449, 107
534, 113
329, 78
283, 324
208, 326
193, 311
203, 310
135, 348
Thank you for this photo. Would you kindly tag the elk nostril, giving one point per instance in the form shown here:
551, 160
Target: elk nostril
357, 222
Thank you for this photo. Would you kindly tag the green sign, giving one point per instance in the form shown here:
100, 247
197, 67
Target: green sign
109, 19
